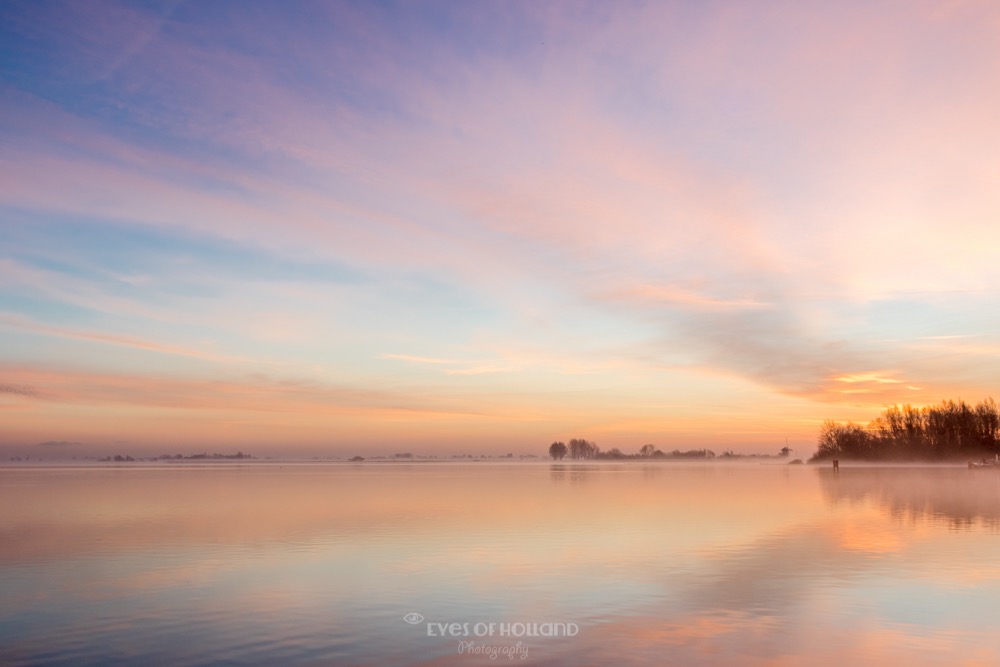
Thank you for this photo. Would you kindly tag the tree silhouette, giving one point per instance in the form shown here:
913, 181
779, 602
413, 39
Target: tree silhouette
557, 450
948, 430
580, 448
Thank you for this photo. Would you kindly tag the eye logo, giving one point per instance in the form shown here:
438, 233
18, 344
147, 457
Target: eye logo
413, 618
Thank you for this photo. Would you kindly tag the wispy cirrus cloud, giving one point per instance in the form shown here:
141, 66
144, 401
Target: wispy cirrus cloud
453, 366
248, 393
18, 390
24, 324
414, 359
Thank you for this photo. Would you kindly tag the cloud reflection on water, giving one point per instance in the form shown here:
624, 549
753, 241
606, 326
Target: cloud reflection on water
670, 563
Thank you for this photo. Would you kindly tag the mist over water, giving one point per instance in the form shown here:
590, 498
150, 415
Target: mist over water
566, 564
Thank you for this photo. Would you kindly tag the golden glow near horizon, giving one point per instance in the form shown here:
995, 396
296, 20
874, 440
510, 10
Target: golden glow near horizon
482, 228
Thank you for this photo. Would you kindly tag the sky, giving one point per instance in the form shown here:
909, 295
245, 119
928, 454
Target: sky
363, 228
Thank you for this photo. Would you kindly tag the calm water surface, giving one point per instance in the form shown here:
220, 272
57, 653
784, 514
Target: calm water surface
627, 564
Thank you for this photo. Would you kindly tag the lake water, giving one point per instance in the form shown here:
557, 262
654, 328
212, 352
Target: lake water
454, 564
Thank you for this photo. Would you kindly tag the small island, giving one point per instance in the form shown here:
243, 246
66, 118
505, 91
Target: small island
580, 448
126, 458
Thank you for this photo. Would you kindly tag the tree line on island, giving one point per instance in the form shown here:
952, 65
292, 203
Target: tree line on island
580, 448
947, 431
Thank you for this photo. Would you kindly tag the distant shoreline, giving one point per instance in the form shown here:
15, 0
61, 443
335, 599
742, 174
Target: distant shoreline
746, 462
